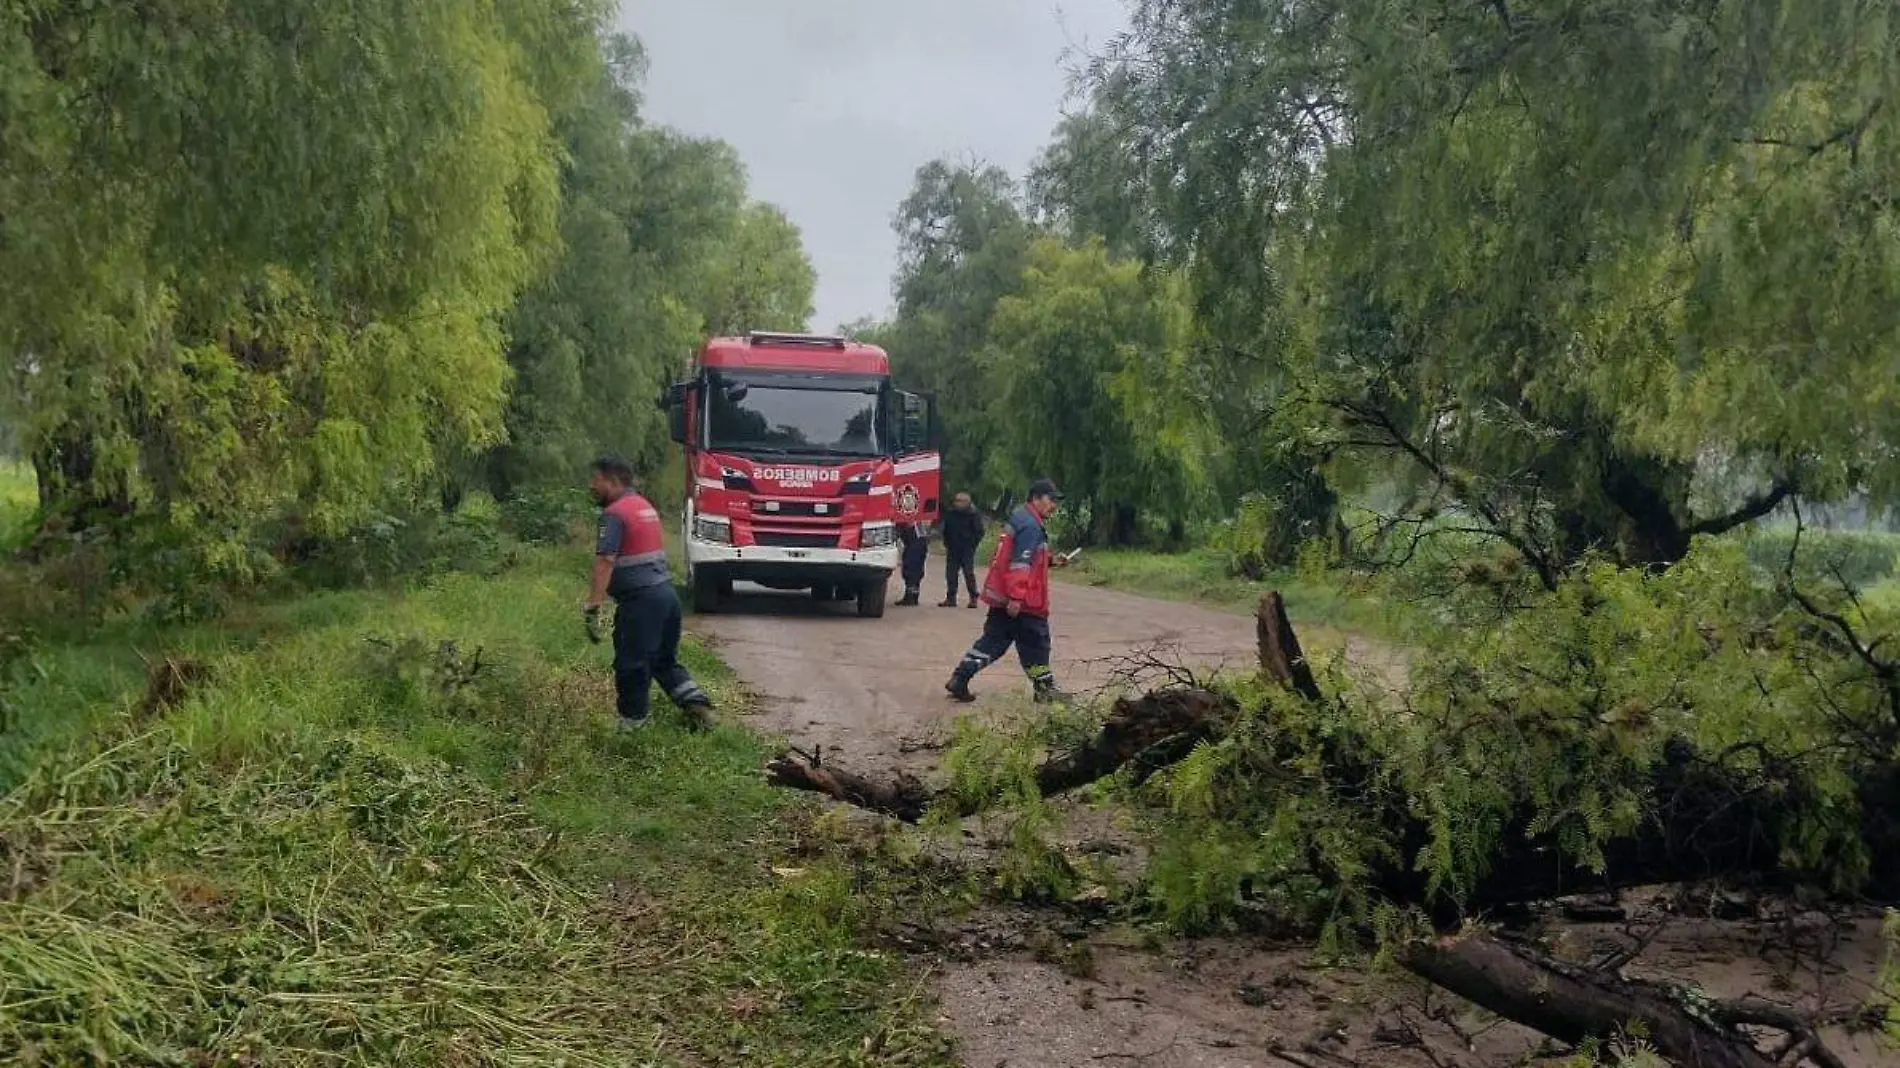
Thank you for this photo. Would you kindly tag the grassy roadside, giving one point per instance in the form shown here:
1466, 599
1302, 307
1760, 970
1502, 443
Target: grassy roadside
339, 840
1326, 612
19, 496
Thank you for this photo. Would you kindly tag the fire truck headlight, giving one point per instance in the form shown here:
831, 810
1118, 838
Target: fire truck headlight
878, 536
712, 529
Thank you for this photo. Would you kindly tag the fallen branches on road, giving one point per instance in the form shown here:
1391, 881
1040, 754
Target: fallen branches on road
1146, 733
1573, 1004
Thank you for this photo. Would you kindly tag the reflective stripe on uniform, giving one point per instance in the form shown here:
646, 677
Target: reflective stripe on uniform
637, 559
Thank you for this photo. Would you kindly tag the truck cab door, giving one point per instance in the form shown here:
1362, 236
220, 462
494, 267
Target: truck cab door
917, 481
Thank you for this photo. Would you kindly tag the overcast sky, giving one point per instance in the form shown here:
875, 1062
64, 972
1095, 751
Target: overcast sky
834, 104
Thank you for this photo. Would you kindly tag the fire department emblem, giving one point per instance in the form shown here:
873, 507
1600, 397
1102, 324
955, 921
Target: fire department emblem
907, 502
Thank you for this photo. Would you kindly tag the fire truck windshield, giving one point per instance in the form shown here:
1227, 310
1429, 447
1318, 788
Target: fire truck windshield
809, 415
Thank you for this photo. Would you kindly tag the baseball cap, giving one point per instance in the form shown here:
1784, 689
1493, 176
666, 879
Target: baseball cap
1043, 487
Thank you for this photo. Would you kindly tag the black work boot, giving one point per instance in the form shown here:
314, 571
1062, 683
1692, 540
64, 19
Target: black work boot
948, 602
909, 600
959, 688
1047, 694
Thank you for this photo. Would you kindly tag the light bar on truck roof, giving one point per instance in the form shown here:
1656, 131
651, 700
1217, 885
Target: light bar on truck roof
822, 341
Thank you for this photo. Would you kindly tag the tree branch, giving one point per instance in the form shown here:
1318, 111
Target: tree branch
1754, 508
1374, 418
1850, 132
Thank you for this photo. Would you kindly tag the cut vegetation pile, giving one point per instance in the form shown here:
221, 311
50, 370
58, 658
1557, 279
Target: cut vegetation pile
331, 900
380, 828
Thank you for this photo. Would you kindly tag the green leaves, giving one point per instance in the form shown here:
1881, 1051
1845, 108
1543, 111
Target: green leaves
283, 265
660, 247
1086, 372
263, 249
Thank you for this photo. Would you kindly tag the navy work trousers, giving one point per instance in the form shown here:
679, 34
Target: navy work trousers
916, 551
646, 648
1029, 634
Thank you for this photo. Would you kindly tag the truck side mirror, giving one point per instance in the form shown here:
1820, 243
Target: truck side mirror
674, 401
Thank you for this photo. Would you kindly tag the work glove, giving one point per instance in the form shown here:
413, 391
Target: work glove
591, 616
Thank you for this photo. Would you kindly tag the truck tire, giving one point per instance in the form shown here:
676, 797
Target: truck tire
822, 593
708, 591
871, 597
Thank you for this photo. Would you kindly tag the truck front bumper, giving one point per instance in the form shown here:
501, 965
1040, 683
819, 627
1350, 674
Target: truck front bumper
790, 568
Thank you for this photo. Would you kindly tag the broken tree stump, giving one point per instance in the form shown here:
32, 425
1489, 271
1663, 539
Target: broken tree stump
1281, 658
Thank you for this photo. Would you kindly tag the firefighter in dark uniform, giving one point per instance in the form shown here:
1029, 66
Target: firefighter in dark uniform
916, 553
630, 566
962, 532
1017, 591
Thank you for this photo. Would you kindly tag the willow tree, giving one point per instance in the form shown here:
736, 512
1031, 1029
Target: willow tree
760, 277
257, 251
962, 239
1572, 254
1086, 365
1555, 259
1202, 127
646, 216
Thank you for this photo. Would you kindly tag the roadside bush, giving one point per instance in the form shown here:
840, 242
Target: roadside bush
548, 517
1254, 540
410, 547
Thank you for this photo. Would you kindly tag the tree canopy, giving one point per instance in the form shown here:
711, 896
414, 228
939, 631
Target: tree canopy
1596, 275
293, 263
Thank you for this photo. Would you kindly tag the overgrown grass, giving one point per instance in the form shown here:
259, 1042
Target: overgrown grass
1200, 576
396, 828
19, 499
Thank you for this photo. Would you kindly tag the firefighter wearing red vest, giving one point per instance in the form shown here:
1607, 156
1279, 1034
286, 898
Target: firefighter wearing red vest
1017, 592
630, 566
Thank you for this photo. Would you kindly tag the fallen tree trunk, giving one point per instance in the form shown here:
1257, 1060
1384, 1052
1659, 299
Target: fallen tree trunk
1573, 1005
1710, 821
1143, 733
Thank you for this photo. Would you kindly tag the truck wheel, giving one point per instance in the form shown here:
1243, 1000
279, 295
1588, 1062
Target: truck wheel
871, 598
822, 593
707, 590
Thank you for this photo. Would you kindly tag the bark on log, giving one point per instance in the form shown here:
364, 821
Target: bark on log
1281, 658
1572, 1004
1147, 732
903, 796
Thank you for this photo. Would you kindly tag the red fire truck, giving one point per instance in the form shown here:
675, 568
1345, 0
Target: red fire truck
801, 459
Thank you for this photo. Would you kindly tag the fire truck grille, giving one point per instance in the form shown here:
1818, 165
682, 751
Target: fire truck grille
786, 540
797, 509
